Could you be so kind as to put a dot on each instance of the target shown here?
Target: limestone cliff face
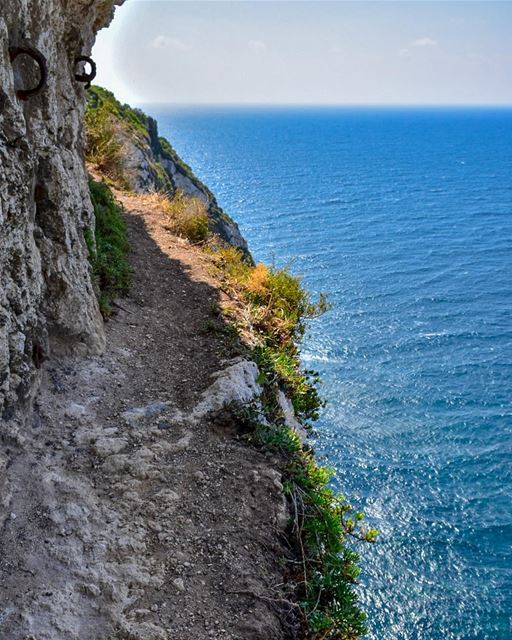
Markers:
(46, 297)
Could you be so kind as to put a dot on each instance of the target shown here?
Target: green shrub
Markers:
(108, 250)
(270, 308)
(229, 265)
(286, 303)
(325, 523)
(283, 369)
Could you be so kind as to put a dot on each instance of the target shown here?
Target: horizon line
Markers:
(336, 105)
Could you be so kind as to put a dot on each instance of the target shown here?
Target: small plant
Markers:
(258, 281)
(229, 265)
(285, 304)
(108, 248)
(284, 370)
(209, 326)
(265, 425)
(156, 199)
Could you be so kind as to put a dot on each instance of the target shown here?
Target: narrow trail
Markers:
(136, 512)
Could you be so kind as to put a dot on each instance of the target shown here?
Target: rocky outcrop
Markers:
(145, 162)
(46, 297)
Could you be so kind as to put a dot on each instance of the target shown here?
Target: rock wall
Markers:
(46, 297)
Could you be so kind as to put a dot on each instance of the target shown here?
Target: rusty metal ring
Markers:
(3, 100)
(40, 60)
(86, 77)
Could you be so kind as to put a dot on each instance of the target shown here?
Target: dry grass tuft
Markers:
(189, 217)
(155, 199)
(258, 281)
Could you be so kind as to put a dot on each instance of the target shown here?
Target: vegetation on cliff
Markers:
(109, 124)
(269, 309)
(108, 247)
(187, 216)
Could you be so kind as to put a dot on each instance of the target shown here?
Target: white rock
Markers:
(237, 383)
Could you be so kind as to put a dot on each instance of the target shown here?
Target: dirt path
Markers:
(135, 510)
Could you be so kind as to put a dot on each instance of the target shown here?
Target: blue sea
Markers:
(404, 218)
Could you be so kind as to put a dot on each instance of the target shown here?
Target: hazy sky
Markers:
(357, 52)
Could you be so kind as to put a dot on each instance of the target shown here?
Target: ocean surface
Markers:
(404, 217)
